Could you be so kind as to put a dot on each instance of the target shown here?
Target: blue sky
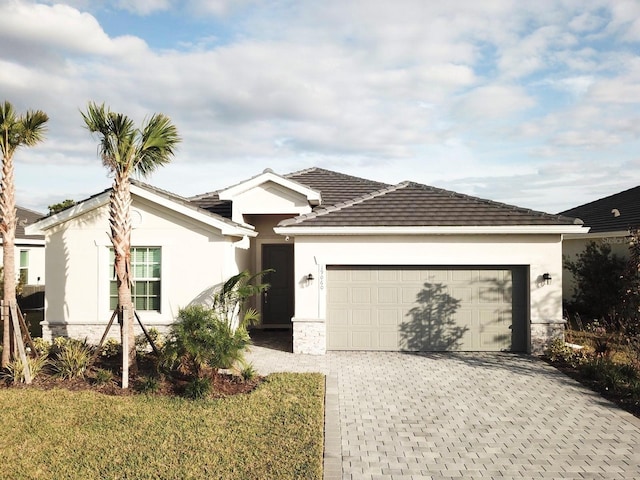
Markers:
(528, 103)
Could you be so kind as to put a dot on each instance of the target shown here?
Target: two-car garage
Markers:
(425, 308)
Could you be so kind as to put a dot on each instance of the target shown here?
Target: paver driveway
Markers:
(437, 416)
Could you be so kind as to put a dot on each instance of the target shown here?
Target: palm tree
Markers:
(126, 150)
(17, 131)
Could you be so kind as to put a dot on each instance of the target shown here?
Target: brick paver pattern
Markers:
(464, 416)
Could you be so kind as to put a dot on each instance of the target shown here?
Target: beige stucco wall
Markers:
(269, 198)
(541, 253)
(195, 258)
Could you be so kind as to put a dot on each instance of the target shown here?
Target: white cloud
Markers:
(482, 96)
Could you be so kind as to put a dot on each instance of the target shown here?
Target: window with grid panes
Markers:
(145, 272)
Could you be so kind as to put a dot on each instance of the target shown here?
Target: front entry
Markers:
(278, 300)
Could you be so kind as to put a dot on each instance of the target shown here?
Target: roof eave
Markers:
(293, 230)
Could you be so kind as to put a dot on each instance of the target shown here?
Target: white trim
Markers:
(313, 196)
(27, 242)
(436, 230)
(38, 228)
(225, 227)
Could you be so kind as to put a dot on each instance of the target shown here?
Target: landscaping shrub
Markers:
(200, 339)
(15, 369)
(560, 351)
(148, 385)
(198, 388)
(142, 343)
(111, 348)
(72, 358)
(103, 376)
(42, 346)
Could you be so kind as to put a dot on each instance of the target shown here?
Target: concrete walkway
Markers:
(462, 416)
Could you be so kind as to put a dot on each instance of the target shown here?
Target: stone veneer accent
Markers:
(309, 336)
(91, 331)
(542, 334)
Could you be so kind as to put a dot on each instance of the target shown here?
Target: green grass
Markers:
(276, 432)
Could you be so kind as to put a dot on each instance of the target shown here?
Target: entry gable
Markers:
(269, 193)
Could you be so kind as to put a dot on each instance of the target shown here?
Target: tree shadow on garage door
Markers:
(432, 325)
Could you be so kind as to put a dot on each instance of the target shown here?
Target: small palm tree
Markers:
(16, 131)
(126, 150)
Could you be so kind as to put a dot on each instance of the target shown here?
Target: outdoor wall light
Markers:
(546, 278)
(309, 278)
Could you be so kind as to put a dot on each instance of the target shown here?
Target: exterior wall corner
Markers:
(543, 333)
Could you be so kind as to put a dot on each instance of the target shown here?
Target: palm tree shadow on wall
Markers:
(432, 324)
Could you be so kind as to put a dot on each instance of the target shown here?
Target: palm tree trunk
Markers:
(8, 230)
(120, 221)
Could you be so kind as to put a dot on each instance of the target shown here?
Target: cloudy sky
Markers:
(529, 103)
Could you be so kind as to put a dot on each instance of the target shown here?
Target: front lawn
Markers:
(275, 432)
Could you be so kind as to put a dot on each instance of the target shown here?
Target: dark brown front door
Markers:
(277, 301)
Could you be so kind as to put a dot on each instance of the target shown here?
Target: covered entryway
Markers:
(278, 300)
(427, 308)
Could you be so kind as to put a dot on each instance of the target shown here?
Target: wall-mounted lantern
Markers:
(546, 278)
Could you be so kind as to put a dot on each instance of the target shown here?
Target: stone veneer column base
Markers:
(542, 334)
(309, 336)
(91, 331)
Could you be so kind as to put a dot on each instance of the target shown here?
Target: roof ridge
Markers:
(321, 211)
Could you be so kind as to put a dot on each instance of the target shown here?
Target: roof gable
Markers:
(268, 176)
(161, 197)
(615, 213)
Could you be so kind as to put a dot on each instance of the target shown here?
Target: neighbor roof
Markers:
(618, 212)
(411, 204)
(26, 217)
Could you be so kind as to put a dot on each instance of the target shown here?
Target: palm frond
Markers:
(158, 142)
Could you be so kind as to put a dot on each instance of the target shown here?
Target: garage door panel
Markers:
(361, 295)
(389, 318)
(387, 295)
(362, 317)
(430, 309)
(338, 295)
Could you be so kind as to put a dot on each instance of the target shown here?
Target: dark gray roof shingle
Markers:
(335, 187)
(411, 204)
(26, 217)
(618, 212)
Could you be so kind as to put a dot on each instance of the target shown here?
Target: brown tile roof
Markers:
(412, 204)
(618, 212)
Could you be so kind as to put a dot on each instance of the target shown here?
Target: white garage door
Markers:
(426, 308)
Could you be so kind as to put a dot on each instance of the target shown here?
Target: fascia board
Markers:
(39, 227)
(230, 193)
(443, 230)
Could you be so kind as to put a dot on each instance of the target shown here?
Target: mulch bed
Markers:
(224, 384)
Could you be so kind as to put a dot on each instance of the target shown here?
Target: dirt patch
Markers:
(622, 397)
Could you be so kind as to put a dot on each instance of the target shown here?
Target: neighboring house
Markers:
(29, 249)
(359, 265)
(610, 219)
